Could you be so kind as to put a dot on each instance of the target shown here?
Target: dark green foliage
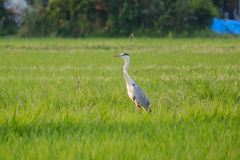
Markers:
(81, 18)
(7, 26)
(219, 3)
(61, 18)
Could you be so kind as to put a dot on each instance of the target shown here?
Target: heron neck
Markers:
(125, 67)
(126, 75)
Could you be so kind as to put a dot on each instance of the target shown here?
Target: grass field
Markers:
(66, 99)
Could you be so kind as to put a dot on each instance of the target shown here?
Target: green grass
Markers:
(66, 99)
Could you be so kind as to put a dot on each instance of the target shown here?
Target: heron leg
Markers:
(150, 110)
(138, 111)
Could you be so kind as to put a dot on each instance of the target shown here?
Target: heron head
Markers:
(124, 56)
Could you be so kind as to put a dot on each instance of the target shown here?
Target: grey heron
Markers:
(135, 93)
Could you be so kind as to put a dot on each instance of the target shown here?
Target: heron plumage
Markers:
(135, 92)
(140, 98)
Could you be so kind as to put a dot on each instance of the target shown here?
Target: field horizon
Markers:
(67, 99)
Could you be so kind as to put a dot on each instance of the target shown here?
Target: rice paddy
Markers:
(67, 99)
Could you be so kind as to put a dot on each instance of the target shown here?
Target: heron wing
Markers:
(140, 96)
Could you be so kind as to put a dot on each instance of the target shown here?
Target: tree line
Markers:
(111, 18)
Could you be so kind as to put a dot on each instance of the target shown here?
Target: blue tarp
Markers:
(225, 26)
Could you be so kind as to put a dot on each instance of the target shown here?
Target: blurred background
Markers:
(113, 18)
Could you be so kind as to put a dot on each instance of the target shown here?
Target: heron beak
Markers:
(118, 55)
